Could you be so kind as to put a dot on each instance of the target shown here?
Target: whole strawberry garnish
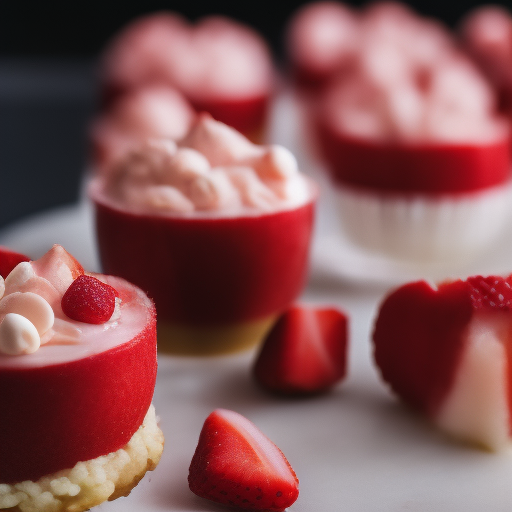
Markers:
(89, 300)
(305, 352)
(236, 465)
(9, 259)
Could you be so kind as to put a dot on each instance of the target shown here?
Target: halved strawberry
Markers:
(235, 464)
(446, 351)
(89, 300)
(9, 259)
(305, 352)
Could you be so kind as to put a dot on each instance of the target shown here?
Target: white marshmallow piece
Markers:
(19, 276)
(2, 287)
(18, 335)
(30, 305)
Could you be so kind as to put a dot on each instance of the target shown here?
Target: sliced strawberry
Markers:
(9, 259)
(89, 300)
(305, 352)
(446, 351)
(235, 464)
(59, 267)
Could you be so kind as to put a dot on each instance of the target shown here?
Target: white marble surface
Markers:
(355, 449)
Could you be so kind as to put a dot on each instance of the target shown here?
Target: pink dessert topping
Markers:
(212, 169)
(404, 80)
(216, 57)
(41, 302)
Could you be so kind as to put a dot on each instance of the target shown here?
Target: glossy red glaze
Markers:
(427, 168)
(305, 352)
(208, 270)
(9, 259)
(55, 416)
(419, 339)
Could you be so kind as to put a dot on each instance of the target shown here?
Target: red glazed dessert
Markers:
(487, 36)
(151, 112)
(446, 352)
(220, 66)
(215, 229)
(77, 374)
(410, 136)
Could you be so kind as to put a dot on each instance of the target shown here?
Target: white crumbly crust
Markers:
(421, 228)
(91, 482)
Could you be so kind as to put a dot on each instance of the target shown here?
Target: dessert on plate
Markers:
(132, 117)
(445, 351)
(77, 374)
(215, 229)
(411, 138)
(219, 65)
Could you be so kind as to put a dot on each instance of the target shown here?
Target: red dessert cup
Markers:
(218, 281)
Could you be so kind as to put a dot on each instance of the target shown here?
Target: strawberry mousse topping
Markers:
(487, 35)
(48, 302)
(154, 111)
(216, 57)
(212, 169)
(408, 82)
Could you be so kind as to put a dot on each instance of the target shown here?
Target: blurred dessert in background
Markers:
(155, 111)
(219, 65)
(216, 229)
(487, 36)
(408, 129)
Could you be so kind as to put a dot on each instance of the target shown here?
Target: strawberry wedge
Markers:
(235, 464)
(446, 351)
(305, 352)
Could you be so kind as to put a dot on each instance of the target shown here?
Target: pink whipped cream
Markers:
(217, 57)
(404, 80)
(35, 332)
(154, 111)
(213, 169)
(487, 35)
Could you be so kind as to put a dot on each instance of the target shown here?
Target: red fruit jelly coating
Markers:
(89, 300)
(9, 259)
(493, 292)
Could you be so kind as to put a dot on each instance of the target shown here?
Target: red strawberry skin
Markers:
(227, 469)
(89, 300)
(208, 271)
(419, 338)
(9, 259)
(55, 416)
(305, 352)
(428, 168)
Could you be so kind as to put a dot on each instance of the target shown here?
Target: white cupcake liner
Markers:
(425, 228)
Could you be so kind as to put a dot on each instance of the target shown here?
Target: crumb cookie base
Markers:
(91, 482)
(422, 228)
(190, 340)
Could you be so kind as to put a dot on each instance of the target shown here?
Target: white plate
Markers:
(355, 449)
